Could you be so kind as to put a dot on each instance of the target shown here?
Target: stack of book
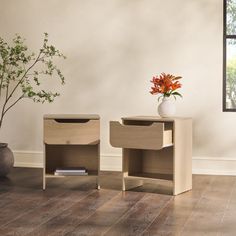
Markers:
(71, 171)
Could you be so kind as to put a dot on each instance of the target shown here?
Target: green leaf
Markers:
(176, 93)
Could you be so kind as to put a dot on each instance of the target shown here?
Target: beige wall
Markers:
(114, 47)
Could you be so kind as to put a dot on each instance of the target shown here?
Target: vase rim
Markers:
(3, 145)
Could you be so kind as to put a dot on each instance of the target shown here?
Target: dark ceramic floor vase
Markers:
(6, 159)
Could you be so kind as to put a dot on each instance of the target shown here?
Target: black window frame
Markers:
(225, 37)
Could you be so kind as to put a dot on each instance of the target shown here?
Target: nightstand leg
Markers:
(98, 183)
(44, 183)
(44, 166)
(123, 184)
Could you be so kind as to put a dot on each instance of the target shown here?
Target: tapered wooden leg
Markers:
(44, 166)
(44, 183)
(98, 183)
(123, 183)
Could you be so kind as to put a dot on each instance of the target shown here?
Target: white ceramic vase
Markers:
(167, 107)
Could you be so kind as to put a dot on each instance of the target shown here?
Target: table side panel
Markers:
(182, 156)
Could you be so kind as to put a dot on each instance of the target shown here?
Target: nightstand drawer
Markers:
(153, 137)
(71, 131)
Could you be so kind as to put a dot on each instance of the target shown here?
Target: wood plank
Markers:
(227, 225)
(20, 202)
(174, 216)
(107, 215)
(41, 212)
(140, 216)
(69, 219)
(207, 215)
(182, 155)
(209, 209)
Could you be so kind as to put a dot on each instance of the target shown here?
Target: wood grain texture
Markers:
(182, 155)
(102, 220)
(175, 215)
(69, 219)
(210, 209)
(71, 141)
(72, 206)
(147, 154)
(152, 137)
(140, 216)
(40, 212)
(87, 133)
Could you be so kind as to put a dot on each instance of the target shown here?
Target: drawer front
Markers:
(139, 137)
(71, 132)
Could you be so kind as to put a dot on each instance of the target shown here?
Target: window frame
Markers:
(225, 37)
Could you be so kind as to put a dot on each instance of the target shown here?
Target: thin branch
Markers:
(23, 77)
(5, 111)
(14, 103)
(7, 91)
(14, 89)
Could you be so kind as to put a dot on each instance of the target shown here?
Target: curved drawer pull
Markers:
(71, 120)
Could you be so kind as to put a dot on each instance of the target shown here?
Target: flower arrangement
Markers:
(166, 85)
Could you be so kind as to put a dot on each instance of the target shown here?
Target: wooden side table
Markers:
(155, 149)
(71, 141)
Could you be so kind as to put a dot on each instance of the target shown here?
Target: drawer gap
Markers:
(167, 125)
(72, 120)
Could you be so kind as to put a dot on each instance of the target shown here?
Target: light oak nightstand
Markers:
(155, 149)
(71, 141)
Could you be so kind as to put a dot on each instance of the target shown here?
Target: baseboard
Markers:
(28, 159)
(214, 165)
(112, 162)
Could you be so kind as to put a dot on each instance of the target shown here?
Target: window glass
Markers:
(231, 74)
(231, 17)
(229, 62)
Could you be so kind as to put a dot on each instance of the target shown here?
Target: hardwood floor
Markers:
(72, 206)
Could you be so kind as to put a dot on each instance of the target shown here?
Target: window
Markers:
(229, 63)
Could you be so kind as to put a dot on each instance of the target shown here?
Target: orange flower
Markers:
(165, 84)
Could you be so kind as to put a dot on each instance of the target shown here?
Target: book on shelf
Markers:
(71, 171)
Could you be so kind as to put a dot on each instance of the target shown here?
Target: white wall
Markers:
(114, 47)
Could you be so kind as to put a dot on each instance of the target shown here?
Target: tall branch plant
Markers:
(22, 73)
